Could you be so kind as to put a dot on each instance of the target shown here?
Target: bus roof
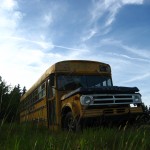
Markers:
(68, 66)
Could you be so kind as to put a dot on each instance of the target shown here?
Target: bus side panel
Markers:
(36, 113)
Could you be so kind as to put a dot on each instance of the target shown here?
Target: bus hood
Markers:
(102, 90)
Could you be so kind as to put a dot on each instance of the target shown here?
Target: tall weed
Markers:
(25, 137)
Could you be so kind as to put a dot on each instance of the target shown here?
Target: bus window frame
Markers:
(51, 86)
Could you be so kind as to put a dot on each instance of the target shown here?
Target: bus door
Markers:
(51, 103)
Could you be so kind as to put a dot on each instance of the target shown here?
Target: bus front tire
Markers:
(71, 123)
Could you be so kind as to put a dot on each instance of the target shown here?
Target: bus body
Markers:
(71, 93)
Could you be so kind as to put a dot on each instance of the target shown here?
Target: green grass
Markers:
(26, 137)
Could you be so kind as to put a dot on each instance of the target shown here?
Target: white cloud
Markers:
(113, 9)
(43, 44)
(110, 41)
(48, 19)
(100, 7)
(9, 19)
(29, 56)
(8, 4)
(89, 34)
(105, 11)
(139, 52)
(138, 2)
(130, 58)
(70, 48)
(138, 78)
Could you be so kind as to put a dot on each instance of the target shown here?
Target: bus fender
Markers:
(70, 107)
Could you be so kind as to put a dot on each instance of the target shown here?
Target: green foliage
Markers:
(25, 137)
(9, 102)
(24, 90)
(14, 98)
(145, 108)
(4, 98)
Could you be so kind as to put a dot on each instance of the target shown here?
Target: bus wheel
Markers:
(70, 122)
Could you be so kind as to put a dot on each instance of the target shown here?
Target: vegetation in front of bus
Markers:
(26, 137)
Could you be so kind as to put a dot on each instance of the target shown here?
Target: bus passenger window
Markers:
(41, 90)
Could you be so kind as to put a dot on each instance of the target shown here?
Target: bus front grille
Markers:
(112, 99)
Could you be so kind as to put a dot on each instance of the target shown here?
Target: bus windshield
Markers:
(72, 82)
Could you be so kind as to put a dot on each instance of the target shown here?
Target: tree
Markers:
(145, 108)
(14, 98)
(4, 98)
(9, 102)
(24, 90)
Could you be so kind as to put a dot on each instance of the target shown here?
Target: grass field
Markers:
(25, 137)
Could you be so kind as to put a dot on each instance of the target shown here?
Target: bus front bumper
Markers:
(111, 114)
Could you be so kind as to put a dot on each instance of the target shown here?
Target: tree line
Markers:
(9, 101)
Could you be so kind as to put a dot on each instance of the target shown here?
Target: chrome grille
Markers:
(112, 99)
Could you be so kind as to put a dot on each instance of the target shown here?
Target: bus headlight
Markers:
(86, 100)
(137, 99)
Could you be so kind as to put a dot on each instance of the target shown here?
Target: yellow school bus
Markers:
(74, 93)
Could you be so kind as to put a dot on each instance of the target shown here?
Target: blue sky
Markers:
(35, 34)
